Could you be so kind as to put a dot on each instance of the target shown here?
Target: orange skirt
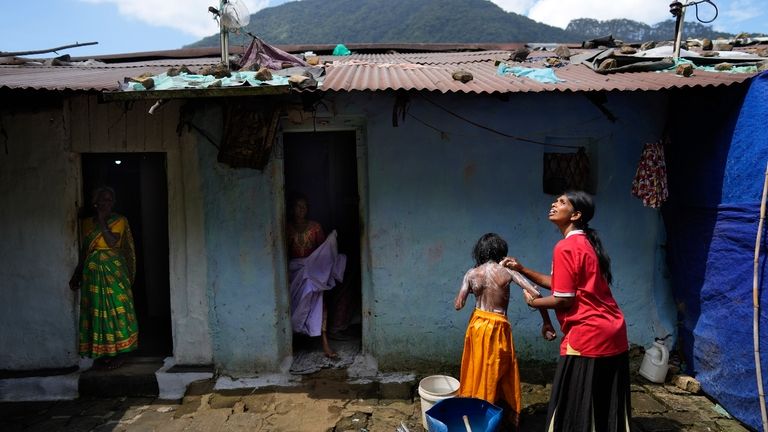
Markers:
(488, 365)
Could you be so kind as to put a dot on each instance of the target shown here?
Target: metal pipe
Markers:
(223, 36)
(756, 307)
(679, 31)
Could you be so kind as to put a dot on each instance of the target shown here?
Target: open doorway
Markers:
(141, 190)
(322, 167)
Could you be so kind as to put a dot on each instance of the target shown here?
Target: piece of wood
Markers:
(19, 53)
(466, 423)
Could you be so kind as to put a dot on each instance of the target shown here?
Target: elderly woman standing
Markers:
(106, 272)
(591, 389)
(315, 267)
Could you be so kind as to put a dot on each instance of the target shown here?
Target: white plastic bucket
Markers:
(433, 389)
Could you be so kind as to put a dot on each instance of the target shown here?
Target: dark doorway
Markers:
(322, 166)
(140, 184)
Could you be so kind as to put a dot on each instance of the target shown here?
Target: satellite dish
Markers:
(232, 15)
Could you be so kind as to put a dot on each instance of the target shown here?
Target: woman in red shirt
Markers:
(591, 389)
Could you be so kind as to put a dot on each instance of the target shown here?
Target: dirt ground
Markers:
(328, 401)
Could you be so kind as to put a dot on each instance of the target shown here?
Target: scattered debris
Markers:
(627, 50)
(687, 383)
(144, 79)
(177, 71)
(463, 76)
(685, 69)
(723, 47)
(647, 45)
(563, 52)
(519, 55)
(218, 71)
(605, 42)
(723, 66)
(609, 63)
(264, 74)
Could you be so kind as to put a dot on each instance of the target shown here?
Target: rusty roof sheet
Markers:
(376, 72)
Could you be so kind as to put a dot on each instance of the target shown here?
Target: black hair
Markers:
(293, 198)
(583, 203)
(490, 247)
(100, 190)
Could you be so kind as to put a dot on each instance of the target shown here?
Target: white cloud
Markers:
(189, 16)
(559, 13)
(517, 6)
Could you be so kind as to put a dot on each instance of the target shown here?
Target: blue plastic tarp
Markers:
(712, 227)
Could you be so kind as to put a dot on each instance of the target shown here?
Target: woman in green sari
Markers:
(106, 272)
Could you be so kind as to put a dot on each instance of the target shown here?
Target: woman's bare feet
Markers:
(108, 363)
(331, 354)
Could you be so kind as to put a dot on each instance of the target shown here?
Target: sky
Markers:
(124, 26)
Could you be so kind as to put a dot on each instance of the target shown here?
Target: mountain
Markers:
(393, 21)
(633, 31)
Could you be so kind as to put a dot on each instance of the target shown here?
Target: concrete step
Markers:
(325, 384)
(136, 377)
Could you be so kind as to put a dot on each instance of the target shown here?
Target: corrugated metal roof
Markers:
(102, 77)
(433, 72)
(375, 72)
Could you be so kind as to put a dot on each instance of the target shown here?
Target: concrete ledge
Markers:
(382, 386)
(49, 388)
(173, 385)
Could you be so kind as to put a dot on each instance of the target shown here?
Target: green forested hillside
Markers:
(394, 21)
(432, 21)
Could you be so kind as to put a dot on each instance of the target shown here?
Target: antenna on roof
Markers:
(232, 15)
(677, 10)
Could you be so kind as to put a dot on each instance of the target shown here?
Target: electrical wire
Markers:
(489, 129)
(696, 6)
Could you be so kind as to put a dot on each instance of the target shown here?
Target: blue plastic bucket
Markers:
(447, 415)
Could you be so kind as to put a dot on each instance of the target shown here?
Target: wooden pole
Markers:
(679, 32)
(20, 53)
(756, 307)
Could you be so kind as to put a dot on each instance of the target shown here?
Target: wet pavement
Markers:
(329, 403)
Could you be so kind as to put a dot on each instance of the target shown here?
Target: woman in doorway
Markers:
(315, 266)
(591, 389)
(106, 271)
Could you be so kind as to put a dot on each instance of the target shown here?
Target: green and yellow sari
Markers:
(107, 317)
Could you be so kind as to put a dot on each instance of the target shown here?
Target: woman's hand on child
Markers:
(548, 331)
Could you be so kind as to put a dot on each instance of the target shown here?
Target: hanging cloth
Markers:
(650, 183)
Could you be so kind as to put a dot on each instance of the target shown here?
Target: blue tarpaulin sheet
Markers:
(711, 248)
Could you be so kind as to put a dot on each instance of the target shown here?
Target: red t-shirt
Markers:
(594, 325)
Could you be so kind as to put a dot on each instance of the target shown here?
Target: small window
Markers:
(569, 169)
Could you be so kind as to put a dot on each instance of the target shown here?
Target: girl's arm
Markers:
(461, 297)
(540, 279)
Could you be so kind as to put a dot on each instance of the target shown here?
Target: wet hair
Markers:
(99, 190)
(490, 247)
(583, 203)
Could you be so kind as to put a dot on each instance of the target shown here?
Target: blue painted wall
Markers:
(435, 185)
(247, 319)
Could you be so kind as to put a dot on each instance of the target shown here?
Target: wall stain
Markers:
(435, 252)
(469, 171)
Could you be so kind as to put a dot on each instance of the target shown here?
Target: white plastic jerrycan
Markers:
(656, 362)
